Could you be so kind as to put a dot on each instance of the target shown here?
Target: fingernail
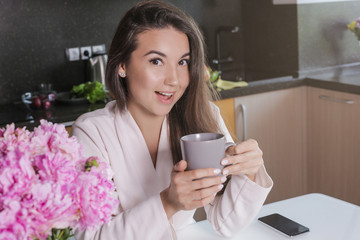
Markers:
(224, 162)
(217, 171)
(225, 171)
(220, 186)
(223, 179)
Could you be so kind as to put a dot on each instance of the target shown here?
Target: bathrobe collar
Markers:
(151, 180)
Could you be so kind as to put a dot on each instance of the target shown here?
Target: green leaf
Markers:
(214, 76)
(90, 163)
(92, 91)
(60, 234)
(79, 89)
(226, 85)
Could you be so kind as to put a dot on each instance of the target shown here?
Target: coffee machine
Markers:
(96, 67)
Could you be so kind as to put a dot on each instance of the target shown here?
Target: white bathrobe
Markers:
(117, 139)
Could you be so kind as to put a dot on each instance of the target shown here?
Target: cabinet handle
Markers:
(332, 99)
(243, 110)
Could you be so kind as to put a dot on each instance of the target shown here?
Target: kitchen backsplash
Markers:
(271, 40)
(34, 35)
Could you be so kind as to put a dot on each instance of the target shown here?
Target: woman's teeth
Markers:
(169, 95)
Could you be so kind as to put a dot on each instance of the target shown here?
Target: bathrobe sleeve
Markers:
(242, 199)
(146, 220)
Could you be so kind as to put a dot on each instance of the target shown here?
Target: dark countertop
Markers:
(345, 83)
(67, 113)
(58, 113)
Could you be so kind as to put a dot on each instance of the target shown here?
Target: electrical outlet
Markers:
(72, 54)
(98, 49)
(85, 52)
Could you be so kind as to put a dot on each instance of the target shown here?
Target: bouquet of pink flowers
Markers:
(47, 187)
(354, 26)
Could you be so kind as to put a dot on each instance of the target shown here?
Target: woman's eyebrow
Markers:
(155, 52)
(185, 55)
(163, 54)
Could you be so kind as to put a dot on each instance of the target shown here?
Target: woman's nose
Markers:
(171, 77)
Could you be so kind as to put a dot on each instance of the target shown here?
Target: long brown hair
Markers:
(192, 113)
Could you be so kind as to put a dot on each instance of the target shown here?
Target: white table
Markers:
(328, 218)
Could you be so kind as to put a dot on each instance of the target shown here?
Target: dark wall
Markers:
(297, 40)
(270, 34)
(34, 35)
(273, 40)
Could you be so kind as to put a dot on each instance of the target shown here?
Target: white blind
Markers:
(308, 1)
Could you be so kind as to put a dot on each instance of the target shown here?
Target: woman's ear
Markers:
(122, 70)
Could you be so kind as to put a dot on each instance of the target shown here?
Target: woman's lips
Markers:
(165, 97)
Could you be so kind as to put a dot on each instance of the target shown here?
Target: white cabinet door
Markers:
(277, 120)
(334, 144)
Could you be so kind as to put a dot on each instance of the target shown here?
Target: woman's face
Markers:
(158, 73)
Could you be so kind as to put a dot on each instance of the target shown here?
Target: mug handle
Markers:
(229, 144)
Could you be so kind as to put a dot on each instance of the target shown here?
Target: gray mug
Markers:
(203, 150)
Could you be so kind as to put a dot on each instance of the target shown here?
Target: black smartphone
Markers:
(284, 225)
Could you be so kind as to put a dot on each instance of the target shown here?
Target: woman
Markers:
(155, 71)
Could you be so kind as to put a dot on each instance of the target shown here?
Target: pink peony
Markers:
(44, 183)
(358, 22)
(94, 196)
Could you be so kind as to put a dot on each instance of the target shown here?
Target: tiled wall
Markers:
(34, 35)
(324, 40)
(297, 40)
(273, 41)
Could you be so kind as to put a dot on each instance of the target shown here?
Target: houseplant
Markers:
(354, 26)
(47, 187)
(214, 78)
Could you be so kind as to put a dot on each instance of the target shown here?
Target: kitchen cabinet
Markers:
(333, 144)
(277, 120)
(68, 129)
(226, 107)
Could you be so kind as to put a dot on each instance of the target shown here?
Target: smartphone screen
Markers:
(284, 225)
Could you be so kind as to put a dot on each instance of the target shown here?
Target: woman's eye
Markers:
(156, 61)
(184, 62)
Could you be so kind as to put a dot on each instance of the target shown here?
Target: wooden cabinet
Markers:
(226, 107)
(68, 129)
(310, 139)
(334, 144)
(277, 120)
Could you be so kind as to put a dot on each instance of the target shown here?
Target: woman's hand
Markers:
(244, 158)
(189, 189)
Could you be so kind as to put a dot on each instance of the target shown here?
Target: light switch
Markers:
(98, 48)
(85, 52)
(72, 54)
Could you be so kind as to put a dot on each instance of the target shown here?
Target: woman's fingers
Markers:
(188, 189)
(191, 181)
(196, 188)
(244, 158)
(202, 173)
(206, 192)
(204, 196)
(180, 166)
(243, 147)
(207, 182)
